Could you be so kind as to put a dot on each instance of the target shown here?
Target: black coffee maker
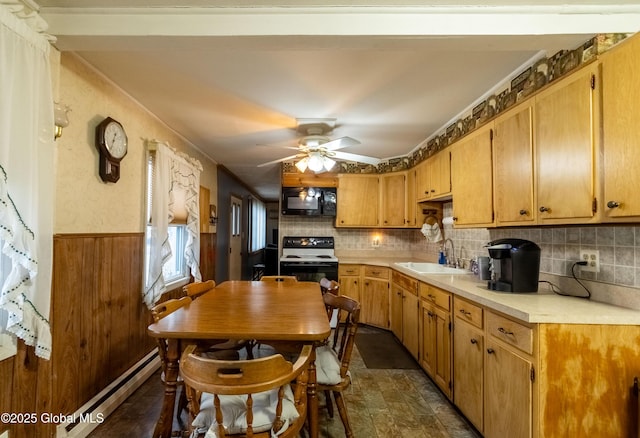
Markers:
(515, 265)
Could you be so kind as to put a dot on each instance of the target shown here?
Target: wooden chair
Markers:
(194, 290)
(280, 278)
(158, 312)
(333, 360)
(256, 392)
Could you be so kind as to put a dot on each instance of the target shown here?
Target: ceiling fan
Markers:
(317, 152)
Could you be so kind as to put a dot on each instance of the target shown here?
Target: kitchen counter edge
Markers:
(533, 308)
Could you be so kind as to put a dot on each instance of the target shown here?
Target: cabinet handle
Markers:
(430, 314)
(426, 192)
(490, 350)
(613, 204)
(523, 212)
(432, 297)
(455, 218)
(474, 341)
(544, 209)
(465, 313)
(505, 332)
(433, 190)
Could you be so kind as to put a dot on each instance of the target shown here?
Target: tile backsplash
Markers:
(619, 245)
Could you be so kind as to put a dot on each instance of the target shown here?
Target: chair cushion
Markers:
(327, 366)
(234, 412)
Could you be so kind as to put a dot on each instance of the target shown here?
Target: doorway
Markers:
(235, 239)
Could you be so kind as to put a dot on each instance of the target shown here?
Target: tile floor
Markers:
(382, 403)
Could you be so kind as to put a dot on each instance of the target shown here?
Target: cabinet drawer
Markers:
(468, 312)
(348, 270)
(438, 296)
(511, 332)
(376, 272)
(406, 283)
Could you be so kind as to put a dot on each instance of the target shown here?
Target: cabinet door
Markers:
(358, 201)
(621, 129)
(565, 145)
(410, 315)
(513, 159)
(393, 199)
(471, 179)
(442, 371)
(441, 174)
(468, 374)
(507, 394)
(423, 180)
(396, 310)
(427, 338)
(350, 286)
(375, 302)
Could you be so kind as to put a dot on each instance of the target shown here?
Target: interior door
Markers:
(235, 240)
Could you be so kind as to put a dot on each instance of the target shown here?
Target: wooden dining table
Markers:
(241, 310)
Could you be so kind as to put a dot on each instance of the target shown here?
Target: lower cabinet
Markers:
(468, 364)
(374, 303)
(405, 311)
(435, 335)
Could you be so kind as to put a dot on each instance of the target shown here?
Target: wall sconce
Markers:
(60, 118)
(213, 214)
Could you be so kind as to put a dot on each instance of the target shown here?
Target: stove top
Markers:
(308, 249)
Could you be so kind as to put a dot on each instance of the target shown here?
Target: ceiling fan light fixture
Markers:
(302, 164)
(315, 162)
(328, 163)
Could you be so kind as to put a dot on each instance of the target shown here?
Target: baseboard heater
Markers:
(95, 411)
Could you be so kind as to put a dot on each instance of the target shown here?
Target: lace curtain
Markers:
(175, 186)
(26, 180)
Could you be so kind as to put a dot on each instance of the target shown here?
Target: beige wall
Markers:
(85, 204)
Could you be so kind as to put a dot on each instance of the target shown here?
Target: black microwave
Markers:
(309, 201)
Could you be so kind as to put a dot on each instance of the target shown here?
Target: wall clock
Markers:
(111, 141)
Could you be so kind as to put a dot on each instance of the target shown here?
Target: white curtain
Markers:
(176, 185)
(26, 180)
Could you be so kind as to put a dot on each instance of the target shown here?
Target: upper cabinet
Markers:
(621, 131)
(513, 167)
(565, 145)
(472, 180)
(386, 200)
(358, 201)
(433, 177)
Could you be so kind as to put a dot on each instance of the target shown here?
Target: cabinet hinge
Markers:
(491, 134)
(594, 205)
(449, 325)
(593, 82)
(533, 374)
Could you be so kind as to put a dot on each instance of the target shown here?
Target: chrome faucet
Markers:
(451, 261)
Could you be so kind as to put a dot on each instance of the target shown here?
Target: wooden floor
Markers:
(382, 403)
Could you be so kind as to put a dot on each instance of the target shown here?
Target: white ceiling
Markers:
(232, 76)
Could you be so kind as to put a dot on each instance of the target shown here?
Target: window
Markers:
(258, 225)
(172, 232)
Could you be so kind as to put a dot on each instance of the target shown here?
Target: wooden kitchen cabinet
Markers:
(565, 132)
(393, 199)
(349, 279)
(374, 303)
(468, 363)
(358, 201)
(435, 335)
(433, 177)
(513, 167)
(621, 131)
(472, 179)
(405, 311)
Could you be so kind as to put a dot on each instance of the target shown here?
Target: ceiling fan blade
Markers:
(340, 143)
(355, 157)
(280, 160)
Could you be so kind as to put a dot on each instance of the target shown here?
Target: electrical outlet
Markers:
(592, 257)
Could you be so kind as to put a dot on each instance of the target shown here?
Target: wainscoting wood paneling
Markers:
(98, 322)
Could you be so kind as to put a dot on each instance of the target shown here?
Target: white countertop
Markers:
(540, 307)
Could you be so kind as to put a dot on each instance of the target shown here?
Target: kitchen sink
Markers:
(430, 268)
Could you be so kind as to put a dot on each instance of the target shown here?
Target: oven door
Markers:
(310, 271)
